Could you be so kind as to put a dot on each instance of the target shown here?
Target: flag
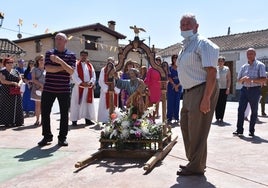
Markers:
(2, 15)
(20, 22)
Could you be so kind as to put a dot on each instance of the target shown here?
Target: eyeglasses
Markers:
(158, 59)
(9, 62)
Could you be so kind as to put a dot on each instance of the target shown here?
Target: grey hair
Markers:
(136, 71)
(191, 16)
(251, 49)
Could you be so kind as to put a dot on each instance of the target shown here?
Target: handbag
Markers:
(38, 92)
(14, 90)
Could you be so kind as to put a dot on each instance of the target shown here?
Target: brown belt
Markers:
(196, 86)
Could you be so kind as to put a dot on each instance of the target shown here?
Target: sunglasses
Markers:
(9, 62)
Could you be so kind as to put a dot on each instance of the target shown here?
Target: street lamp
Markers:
(19, 35)
(1, 18)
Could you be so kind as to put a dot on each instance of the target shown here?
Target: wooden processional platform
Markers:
(152, 149)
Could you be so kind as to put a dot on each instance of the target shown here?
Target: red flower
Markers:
(134, 116)
(113, 116)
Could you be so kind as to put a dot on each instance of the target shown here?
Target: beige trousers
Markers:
(195, 127)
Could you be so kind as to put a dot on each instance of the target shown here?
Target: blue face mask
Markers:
(187, 34)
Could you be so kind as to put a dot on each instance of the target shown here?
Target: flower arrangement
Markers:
(126, 125)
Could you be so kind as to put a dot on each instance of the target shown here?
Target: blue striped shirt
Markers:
(197, 53)
(59, 82)
(256, 70)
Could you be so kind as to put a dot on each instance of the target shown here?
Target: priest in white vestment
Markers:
(82, 98)
(103, 111)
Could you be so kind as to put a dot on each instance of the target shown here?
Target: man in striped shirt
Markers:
(59, 66)
(196, 65)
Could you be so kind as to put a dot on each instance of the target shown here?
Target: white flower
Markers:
(150, 110)
(145, 130)
(125, 124)
(107, 130)
(118, 113)
(124, 134)
(114, 133)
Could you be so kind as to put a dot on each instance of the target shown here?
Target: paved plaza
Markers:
(232, 162)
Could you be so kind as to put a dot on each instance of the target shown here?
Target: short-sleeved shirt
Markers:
(59, 82)
(253, 71)
(197, 53)
(223, 76)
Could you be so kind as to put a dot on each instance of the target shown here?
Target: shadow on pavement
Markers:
(221, 124)
(193, 181)
(116, 165)
(36, 153)
(254, 140)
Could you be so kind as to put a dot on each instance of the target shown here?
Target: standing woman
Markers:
(38, 79)
(224, 85)
(11, 102)
(27, 103)
(152, 80)
(174, 91)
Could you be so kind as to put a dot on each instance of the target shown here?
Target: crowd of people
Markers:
(197, 73)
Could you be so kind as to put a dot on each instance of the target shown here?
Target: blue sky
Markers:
(159, 18)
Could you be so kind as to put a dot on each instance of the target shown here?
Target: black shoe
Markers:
(182, 166)
(44, 141)
(236, 133)
(74, 123)
(89, 122)
(63, 143)
(184, 172)
(217, 122)
(251, 134)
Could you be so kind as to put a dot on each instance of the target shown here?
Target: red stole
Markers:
(107, 97)
(81, 76)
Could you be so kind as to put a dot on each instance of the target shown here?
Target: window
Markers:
(90, 42)
(38, 46)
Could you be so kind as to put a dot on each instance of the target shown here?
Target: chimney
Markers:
(111, 25)
(229, 31)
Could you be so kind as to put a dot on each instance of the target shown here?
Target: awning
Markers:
(8, 47)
